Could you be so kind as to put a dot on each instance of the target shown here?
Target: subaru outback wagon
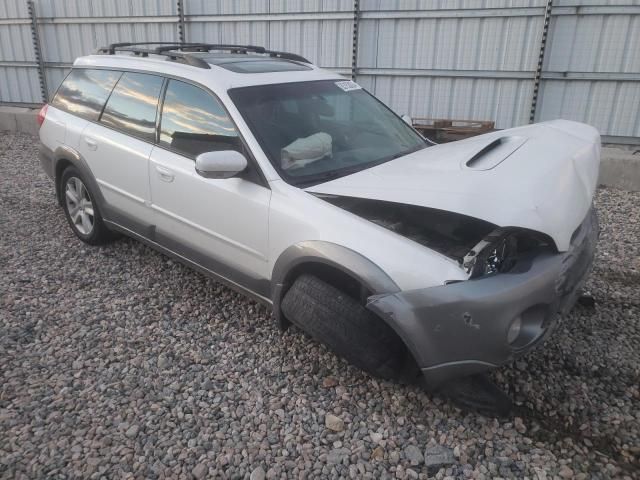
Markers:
(296, 186)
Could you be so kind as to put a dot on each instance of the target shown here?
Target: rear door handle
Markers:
(165, 174)
(91, 143)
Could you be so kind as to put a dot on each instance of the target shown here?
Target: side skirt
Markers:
(190, 263)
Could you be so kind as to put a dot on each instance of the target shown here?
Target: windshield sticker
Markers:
(348, 85)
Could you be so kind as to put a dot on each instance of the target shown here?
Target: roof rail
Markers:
(171, 55)
(179, 52)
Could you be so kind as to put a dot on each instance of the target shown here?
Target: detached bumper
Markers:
(471, 326)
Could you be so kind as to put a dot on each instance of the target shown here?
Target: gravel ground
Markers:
(117, 362)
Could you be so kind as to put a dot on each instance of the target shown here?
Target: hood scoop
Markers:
(494, 153)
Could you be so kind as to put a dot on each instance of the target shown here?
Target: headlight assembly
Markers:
(499, 251)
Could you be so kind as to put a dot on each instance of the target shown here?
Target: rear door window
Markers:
(194, 122)
(85, 91)
(132, 106)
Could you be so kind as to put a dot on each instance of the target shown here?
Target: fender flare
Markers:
(331, 254)
(68, 154)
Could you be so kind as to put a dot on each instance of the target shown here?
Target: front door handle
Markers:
(165, 174)
(91, 143)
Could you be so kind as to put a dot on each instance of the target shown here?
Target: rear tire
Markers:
(81, 209)
(346, 327)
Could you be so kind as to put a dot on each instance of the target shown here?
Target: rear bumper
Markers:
(464, 328)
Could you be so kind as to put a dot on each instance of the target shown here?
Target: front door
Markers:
(220, 224)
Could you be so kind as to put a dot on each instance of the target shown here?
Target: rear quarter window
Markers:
(85, 91)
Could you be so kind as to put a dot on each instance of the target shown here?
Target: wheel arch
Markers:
(309, 256)
(64, 157)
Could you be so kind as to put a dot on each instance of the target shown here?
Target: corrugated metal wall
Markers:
(592, 66)
(18, 68)
(320, 30)
(452, 59)
(464, 59)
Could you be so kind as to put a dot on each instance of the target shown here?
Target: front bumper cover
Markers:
(462, 328)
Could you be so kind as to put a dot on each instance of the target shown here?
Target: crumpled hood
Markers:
(542, 177)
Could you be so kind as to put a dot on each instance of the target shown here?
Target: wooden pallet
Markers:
(444, 130)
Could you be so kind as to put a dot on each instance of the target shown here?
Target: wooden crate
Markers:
(445, 130)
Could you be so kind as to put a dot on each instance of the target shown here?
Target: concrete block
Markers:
(620, 168)
(7, 119)
(26, 121)
(18, 119)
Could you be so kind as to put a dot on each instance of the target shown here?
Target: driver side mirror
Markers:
(222, 164)
(407, 119)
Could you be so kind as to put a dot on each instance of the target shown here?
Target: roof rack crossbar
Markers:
(178, 51)
(206, 47)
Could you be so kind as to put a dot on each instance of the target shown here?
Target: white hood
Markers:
(540, 177)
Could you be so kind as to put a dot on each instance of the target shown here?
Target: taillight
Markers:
(42, 114)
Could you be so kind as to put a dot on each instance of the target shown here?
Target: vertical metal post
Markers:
(354, 48)
(181, 30)
(538, 74)
(35, 37)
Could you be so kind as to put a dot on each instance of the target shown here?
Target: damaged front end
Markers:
(480, 247)
(468, 327)
(518, 284)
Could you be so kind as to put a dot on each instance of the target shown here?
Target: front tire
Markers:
(81, 209)
(346, 327)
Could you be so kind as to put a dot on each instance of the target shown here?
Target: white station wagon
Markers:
(298, 187)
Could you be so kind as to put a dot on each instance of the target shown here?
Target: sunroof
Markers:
(263, 66)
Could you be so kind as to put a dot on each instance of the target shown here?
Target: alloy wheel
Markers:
(79, 205)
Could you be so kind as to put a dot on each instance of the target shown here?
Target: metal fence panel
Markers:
(451, 64)
(612, 107)
(592, 67)
(13, 9)
(320, 30)
(18, 69)
(19, 84)
(105, 8)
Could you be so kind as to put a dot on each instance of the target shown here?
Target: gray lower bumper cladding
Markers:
(46, 158)
(468, 327)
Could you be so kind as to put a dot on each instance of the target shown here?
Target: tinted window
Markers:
(194, 122)
(132, 105)
(84, 92)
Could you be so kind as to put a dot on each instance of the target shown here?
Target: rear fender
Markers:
(65, 154)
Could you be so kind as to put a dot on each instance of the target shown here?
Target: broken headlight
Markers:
(499, 251)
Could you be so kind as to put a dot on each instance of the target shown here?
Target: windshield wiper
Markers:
(324, 177)
(406, 152)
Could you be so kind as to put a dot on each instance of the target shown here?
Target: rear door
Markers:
(117, 148)
(220, 224)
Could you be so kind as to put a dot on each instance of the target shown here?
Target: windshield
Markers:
(314, 132)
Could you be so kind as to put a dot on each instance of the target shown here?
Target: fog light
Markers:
(514, 329)
(528, 327)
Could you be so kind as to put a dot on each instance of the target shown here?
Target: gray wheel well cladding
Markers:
(64, 157)
(314, 255)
